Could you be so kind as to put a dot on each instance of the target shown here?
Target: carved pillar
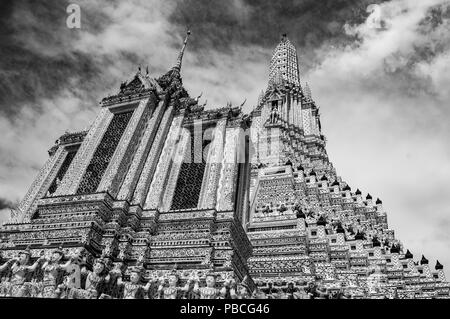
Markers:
(255, 131)
(246, 206)
(151, 162)
(265, 112)
(294, 108)
(290, 107)
(131, 179)
(298, 108)
(178, 158)
(228, 174)
(159, 179)
(116, 170)
(306, 117)
(84, 155)
(213, 165)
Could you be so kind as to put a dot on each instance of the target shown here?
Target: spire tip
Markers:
(180, 55)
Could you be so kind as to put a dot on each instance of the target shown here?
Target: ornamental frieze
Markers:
(187, 215)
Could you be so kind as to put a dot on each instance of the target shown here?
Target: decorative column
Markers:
(213, 165)
(306, 117)
(265, 112)
(291, 109)
(84, 155)
(228, 174)
(159, 179)
(246, 206)
(178, 158)
(298, 110)
(286, 108)
(131, 179)
(146, 177)
(294, 109)
(255, 130)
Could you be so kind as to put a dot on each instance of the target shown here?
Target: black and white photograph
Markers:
(224, 149)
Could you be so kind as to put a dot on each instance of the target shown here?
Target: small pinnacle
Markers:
(424, 261)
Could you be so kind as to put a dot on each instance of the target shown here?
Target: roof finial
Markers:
(198, 97)
(180, 55)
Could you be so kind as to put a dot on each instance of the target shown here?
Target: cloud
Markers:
(384, 102)
(114, 38)
(4, 215)
(4, 203)
(380, 77)
(5, 207)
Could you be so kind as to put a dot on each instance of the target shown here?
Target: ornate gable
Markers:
(138, 87)
(274, 94)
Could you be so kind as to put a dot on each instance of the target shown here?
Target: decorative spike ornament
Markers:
(180, 55)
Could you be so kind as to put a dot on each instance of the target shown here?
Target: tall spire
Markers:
(180, 55)
(284, 61)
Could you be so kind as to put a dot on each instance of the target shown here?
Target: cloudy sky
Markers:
(380, 74)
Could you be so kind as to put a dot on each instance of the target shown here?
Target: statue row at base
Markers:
(50, 277)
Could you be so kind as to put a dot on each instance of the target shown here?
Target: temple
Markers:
(163, 198)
